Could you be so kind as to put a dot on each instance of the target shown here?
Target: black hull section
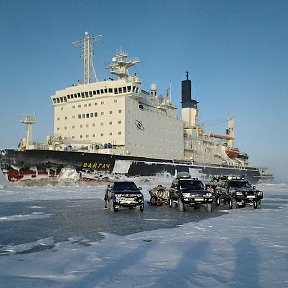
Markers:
(36, 164)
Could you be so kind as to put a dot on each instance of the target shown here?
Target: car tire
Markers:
(153, 200)
(142, 208)
(171, 203)
(115, 209)
(232, 203)
(209, 207)
(181, 206)
(218, 201)
(257, 204)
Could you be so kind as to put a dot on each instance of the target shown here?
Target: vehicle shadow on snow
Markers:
(189, 273)
(190, 270)
(109, 275)
(246, 272)
(186, 273)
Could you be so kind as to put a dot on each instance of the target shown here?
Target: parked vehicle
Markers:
(124, 194)
(237, 192)
(186, 191)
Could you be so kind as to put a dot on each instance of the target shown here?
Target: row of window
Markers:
(89, 104)
(118, 90)
(95, 114)
(87, 136)
(88, 115)
(87, 125)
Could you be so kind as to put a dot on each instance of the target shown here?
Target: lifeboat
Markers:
(232, 152)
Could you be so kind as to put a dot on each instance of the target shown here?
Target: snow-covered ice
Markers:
(241, 248)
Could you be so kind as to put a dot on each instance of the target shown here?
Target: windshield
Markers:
(191, 185)
(124, 186)
(239, 184)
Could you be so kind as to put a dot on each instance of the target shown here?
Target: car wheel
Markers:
(171, 203)
(209, 207)
(181, 206)
(218, 201)
(142, 208)
(153, 200)
(232, 203)
(115, 209)
(257, 204)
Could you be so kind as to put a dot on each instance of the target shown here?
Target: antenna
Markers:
(170, 92)
(86, 48)
(120, 64)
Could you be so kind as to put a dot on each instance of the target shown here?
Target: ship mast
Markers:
(29, 120)
(120, 64)
(86, 48)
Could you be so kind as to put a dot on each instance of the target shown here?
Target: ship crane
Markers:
(223, 137)
(229, 136)
(86, 47)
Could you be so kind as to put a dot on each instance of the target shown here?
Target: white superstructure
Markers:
(118, 117)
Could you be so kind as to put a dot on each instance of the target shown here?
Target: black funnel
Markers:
(187, 101)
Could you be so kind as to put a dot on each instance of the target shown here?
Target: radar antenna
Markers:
(120, 64)
(86, 48)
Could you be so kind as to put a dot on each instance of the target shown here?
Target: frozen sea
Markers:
(61, 236)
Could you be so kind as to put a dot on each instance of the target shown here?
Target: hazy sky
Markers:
(235, 52)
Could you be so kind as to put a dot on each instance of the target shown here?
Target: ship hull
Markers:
(35, 165)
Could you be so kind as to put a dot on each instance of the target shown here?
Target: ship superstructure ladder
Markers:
(86, 48)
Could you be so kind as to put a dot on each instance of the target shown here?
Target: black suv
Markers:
(186, 191)
(124, 194)
(237, 191)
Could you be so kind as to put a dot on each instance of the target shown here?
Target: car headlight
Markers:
(186, 194)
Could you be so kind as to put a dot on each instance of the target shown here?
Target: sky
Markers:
(235, 52)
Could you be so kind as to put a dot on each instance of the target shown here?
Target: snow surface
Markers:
(242, 248)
